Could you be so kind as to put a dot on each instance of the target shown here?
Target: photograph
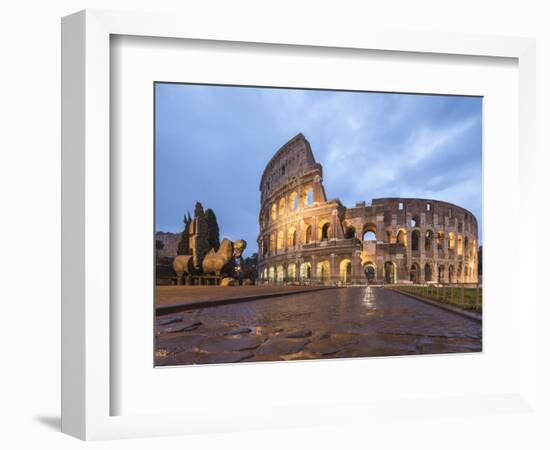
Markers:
(294, 223)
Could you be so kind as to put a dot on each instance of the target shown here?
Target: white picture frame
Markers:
(87, 385)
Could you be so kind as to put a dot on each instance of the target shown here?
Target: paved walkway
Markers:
(172, 298)
(349, 322)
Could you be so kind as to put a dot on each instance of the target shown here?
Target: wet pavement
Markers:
(336, 323)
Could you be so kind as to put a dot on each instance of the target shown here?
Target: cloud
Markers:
(213, 143)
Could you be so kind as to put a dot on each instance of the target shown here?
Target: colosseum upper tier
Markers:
(306, 238)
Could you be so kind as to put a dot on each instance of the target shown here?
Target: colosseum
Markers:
(306, 238)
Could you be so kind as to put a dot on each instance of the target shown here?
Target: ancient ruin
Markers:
(201, 258)
(307, 238)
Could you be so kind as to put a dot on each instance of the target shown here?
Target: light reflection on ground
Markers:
(347, 322)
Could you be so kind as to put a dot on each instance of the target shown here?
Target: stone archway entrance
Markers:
(389, 272)
(370, 273)
(415, 274)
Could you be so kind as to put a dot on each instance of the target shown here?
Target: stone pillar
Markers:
(314, 233)
(313, 267)
(380, 229)
(335, 226)
(333, 271)
(355, 267)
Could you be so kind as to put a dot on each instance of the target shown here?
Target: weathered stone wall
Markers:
(170, 241)
(306, 238)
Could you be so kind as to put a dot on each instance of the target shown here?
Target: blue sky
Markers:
(213, 142)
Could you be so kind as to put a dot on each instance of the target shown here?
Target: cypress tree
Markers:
(212, 230)
(201, 243)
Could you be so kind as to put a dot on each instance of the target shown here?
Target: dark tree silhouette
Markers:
(212, 230)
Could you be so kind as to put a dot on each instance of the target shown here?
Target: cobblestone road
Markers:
(350, 322)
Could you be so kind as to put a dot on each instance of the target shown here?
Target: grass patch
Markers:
(447, 294)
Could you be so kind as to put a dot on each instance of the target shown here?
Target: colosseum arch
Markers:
(414, 273)
(370, 271)
(291, 272)
(345, 270)
(292, 237)
(280, 273)
(428, 272)
(415, 221)
(274, 211)
(428, 240)
(305, 270)
(440, 240)
(452, 274)
(415, 241)
(459, 245)
(271, 274)
(390, 272)
(350, 232)
(280, 240)
(441, 273)
(324, 230)
(272, 244)
(308, 234)
(307, 195)
(402, 237)
(451, 241)
(369, 232)
(323, 270)
(282, 205)
(294, 202)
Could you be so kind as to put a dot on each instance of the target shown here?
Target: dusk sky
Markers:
(213, 142)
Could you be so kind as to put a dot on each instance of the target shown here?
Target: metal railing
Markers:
(464, 295)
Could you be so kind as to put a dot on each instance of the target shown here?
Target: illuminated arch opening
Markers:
(370, 272)
(272, 244)
(282, 204)
(291, 272)
(451, 241)
(345, 271)
(324, 234)
(292, 237)
(305, 271)
(280, 240)
(402, 237)
(308, 234)
(280, 274)
(323, 270)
